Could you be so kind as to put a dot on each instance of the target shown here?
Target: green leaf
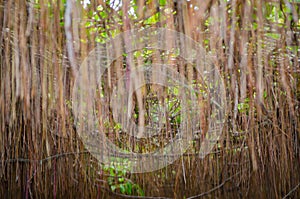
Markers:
(113, 187)
(162, 2)
(112, 172)
(139, 190)
(265, 94)
(122, 188)
(128, 188)
(121, 179)
(110, 180)
(103, 15)
(275, 36)
(153, 19)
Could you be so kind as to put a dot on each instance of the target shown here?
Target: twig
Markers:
(45, 159)
(213, 189)
(294, 189)
(210, 191)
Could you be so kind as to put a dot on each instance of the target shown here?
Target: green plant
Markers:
(118, 181)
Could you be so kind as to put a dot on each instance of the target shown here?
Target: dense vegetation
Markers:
(254, 45)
